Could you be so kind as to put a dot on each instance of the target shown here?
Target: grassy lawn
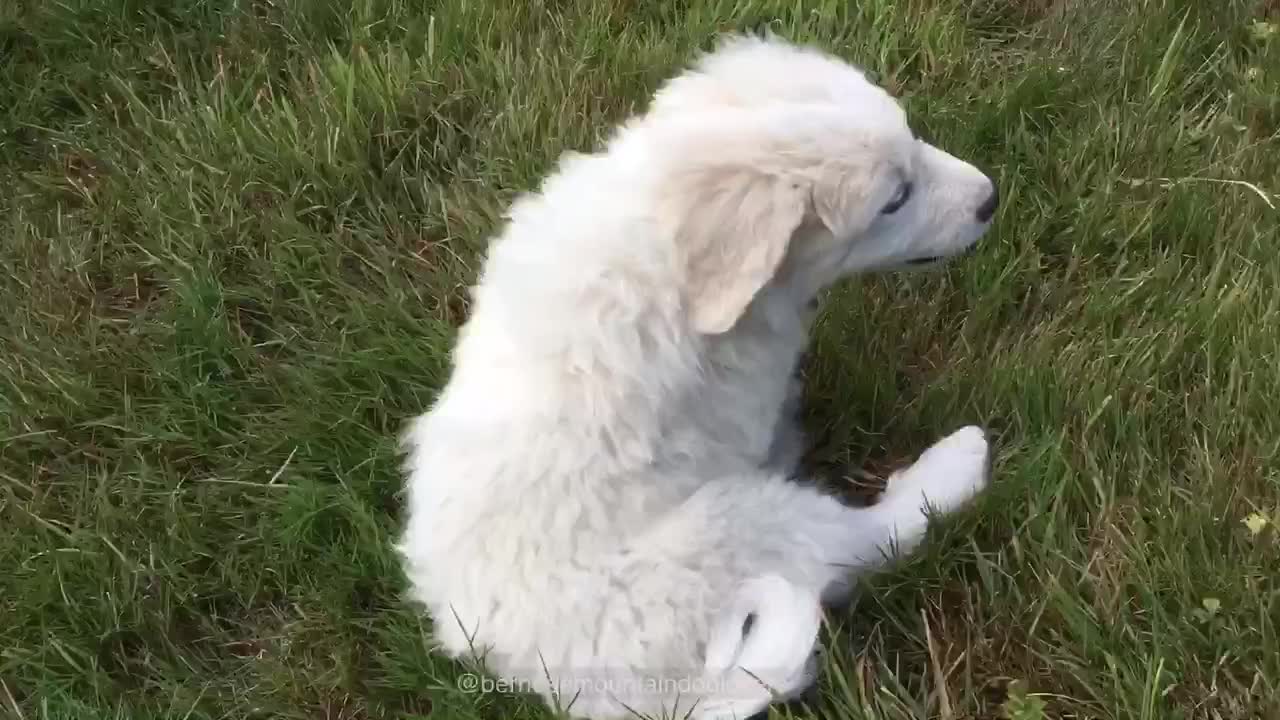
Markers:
(235, 241)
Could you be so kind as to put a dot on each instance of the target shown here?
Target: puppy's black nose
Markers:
(987, 209)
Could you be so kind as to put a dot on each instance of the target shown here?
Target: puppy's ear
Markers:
(733, 225)
(840, 199)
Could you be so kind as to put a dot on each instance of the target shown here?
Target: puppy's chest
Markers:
(733, 415)
(744, 393)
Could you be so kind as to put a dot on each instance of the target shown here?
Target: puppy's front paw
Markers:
(947, 475)
(962, 447)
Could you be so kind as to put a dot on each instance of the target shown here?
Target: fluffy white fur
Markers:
(597, 501)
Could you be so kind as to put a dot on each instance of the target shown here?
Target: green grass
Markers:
(235, 237)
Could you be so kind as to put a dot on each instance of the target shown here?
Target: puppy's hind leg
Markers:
(762, 649)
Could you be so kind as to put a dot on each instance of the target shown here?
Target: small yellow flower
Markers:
(1256, 522)
(1211, 605)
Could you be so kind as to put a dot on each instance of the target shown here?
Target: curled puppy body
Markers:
(597, 501)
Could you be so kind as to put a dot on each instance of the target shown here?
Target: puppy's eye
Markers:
(900, 199)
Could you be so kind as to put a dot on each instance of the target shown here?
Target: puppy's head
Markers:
(780, 164)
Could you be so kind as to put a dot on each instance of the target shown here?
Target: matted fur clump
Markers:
(598, 501)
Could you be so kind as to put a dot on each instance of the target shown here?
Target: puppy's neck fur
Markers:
(630, 372)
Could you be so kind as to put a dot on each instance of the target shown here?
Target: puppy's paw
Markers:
(965, 446)
(752, 702)
(947, 475)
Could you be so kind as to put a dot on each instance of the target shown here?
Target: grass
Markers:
(235, 237)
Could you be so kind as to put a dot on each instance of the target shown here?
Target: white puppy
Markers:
(597, 501)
